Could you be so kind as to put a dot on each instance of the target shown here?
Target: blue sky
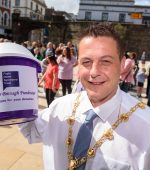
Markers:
(73, 5)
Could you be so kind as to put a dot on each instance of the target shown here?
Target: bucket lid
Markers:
(8, 49)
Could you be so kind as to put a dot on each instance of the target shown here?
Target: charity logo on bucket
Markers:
(18, 88)
(10, 79)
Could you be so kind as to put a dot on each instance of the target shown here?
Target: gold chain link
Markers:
(107, 135)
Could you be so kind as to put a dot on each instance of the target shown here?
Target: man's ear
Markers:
(123, 62)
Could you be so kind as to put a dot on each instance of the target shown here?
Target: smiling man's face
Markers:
(99, 68)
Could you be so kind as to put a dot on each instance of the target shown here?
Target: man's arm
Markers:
(34, 130)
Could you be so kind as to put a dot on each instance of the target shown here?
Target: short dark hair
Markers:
(52, 59)
(105, 29)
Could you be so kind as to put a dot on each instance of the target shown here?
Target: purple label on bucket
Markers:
(10, 79)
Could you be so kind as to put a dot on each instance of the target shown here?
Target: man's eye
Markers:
(106, 62)
(86, 63)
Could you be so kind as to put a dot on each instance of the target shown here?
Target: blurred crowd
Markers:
(57, 62)
(134, 74)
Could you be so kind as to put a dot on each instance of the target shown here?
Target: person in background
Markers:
(148, 79)
(140, 81)
(60, 46)
(148, 84)
(24, 44)
(42, 48)
(72, 48)
(50, 79)
(34, 45)
(29, 45)
(101, 128)
(58, 52)
(135, 67)
(143, 57)
(50, 49)
(127, 72)
(77, 87)
(66, 62)
(37, 54)
(45, 62)
(148, 101)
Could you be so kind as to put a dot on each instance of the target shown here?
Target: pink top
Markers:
(66, 67)
(127, 71)
(49, 76)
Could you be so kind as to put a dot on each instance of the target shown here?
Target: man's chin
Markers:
(93, 94)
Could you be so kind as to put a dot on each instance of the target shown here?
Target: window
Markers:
(146, 21)
(31, 5)
(146, 11)
(1, 18)
(17, 2)
(87, 15)
(104, 16)
(6, 20)
(37, 7)
(1, 3)
(122, 17)
(5, 3)
(10, 4)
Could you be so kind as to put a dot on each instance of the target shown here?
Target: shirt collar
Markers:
(85, 103)
(104, 110)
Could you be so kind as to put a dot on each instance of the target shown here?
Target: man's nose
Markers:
(95, 70)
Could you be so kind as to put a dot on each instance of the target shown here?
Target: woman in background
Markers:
(127, 72)
(50, 79)
(66, 62)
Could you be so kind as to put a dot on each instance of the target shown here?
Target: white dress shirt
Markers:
(129, 150)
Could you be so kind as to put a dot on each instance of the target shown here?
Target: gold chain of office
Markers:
(107, 135)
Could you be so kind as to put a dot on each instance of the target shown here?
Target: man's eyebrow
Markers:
(101, 57)
(85, 58)
(107, 56)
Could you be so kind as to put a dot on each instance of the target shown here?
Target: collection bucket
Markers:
(18, 84)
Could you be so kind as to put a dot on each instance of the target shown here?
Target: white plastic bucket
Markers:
(18, 84)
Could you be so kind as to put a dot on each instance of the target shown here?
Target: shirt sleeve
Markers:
(60, 59)
(34, 130)
(146, 162)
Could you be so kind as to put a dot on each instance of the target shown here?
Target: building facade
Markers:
(31, 12)
(122, 11)
(5, 18)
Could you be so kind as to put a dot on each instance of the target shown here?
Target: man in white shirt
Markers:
(121, 129)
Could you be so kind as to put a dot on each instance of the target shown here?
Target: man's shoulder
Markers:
(141, 109)
(129, 101)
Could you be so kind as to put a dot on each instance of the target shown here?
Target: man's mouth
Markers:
(96, 83)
